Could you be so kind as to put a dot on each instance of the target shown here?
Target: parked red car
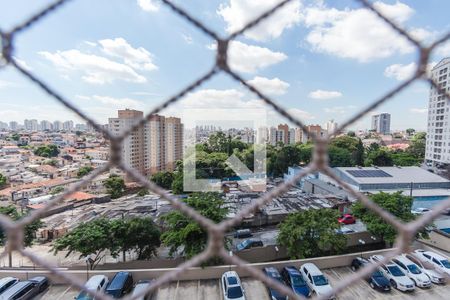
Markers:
(347, 219)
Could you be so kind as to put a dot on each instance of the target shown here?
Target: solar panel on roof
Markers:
(368, 173)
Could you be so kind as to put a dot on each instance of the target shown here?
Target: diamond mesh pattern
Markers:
(406, 232)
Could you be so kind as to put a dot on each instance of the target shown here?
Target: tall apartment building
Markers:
(46, 125)
(331, 126)
(381, 123)
(31, 125)
(13, 126)
(438, 132)
(285, 134)
(68, 125)
(154, 147)
(57, 126)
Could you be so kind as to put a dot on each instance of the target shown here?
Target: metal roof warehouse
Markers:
(367, 179)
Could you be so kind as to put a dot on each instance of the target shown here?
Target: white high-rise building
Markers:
(13, 126)
(57, 126)
(46, 125)
(331, 126)
(31, 125)
(438, 133)
(381, 123)
(68, 125)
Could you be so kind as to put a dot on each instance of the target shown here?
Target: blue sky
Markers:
(320, 59)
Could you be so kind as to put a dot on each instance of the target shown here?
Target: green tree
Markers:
(183, 233)
(354, 147)
(410, 131)
(404, 158)
(15, 136)
(381, 158)
(3, 181)
(92, 239)
(339, 157)
(57, 190)
(29, 231)
(417, 146)
(136, 234)
(83, 171)
(142, 192)
(115, 186)
(311, 233)
(47, 151)
(351, 133)
(397, 204)
(164, 179)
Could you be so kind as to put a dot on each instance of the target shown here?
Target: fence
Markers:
(406, 232)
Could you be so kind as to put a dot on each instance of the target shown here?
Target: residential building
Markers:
(154, 147)
(331, 126)
(13, 126)
(46, 125)
(68, 125)
(57, 126)
(31, 125)
(285, 129)
(437, 148)
(381, 123)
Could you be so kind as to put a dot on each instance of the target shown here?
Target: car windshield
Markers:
(243, 245)
(320, 280)
(395, 271)
(234, 292)
(445, 263)
(414, 269)
(84, 296)
(297, 280)
(377, 273)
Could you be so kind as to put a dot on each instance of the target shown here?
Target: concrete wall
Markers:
(438, 239)
(195, 273)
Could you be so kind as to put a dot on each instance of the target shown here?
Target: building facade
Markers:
(381, 123)
(154, 147)
(437, 148)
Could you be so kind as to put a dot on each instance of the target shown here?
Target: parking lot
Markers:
(255, 290)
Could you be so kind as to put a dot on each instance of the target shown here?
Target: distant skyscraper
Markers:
(154, 147)
(31, 125)
(381, 123)
(13, 126)
(285, 134)
(68, 125)
(331, 126)
(3, 125)
(57, 126)
(46, 125)
(437, 148)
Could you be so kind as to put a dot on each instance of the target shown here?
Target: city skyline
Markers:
(292, 59)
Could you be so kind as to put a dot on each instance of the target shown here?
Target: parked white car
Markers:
(231, 286)
(394, 274)
(315, 279)
(439, 262)
(95, 283)
(420, 210)
(427, 268)
(412, 271)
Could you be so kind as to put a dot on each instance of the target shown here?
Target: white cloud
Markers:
(301, 114)
(187, 38)
(237, 13)
(419, 110)
(137, 58)
(96, 69)
(5, 84)
(114, 102)
(268, 86)
(324, 95)
(358, 33)
(443, 49)
(250, 59)
(23, 64)
(148, 5)
(400, 72)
